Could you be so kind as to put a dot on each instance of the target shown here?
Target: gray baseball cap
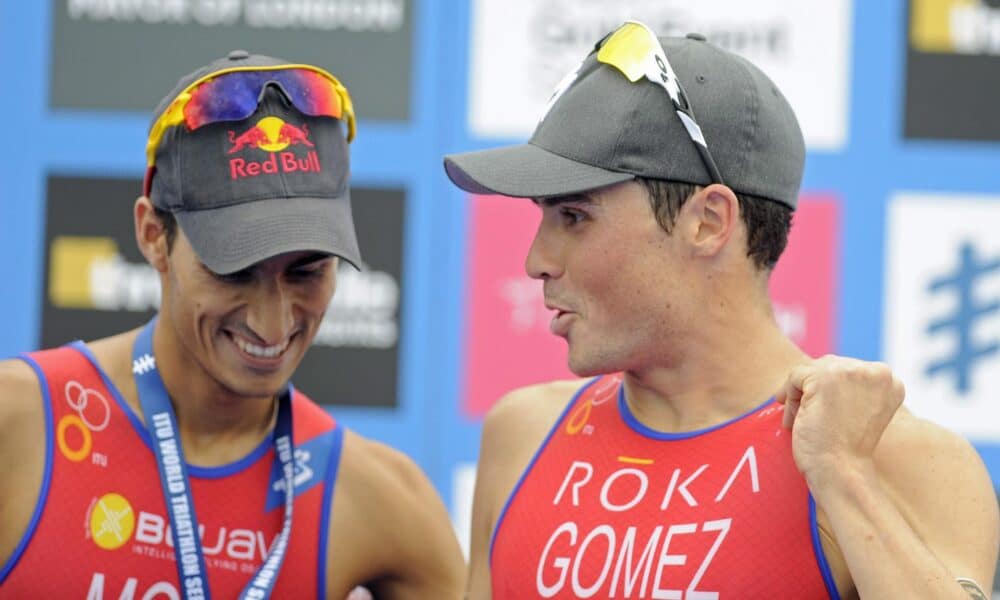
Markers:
(603, 129)
(243, 191)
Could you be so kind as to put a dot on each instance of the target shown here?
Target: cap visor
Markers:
(235, 237)
(526, 171)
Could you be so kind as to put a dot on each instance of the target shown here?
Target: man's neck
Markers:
(721, 371)
(216, 425)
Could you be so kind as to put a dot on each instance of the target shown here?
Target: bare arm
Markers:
(512, 432)
(22, 451)
(402, 545)
(918, 519)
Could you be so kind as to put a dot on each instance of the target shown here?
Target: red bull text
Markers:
(272, 135)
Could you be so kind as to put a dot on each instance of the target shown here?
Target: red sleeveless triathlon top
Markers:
(100, 530)
(609, 508)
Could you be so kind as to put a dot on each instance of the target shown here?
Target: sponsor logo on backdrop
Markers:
(508, 339)
(98, 283)
(521, 49)
(953, 57)
(88, 69)
(89, 273)
(507, 325)
(350, 15)
(805, 281)
(955, 26)
(942, 308)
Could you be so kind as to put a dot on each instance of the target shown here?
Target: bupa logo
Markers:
(111, 521)
(272, 135)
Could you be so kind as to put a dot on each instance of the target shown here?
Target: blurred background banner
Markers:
(894, 254)
(520, 50)
(115, 55)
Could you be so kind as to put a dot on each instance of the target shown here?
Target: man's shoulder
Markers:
(389, 513)
(20, 392)
(542, 402)
(931, 470)
(912, 440)
(518, 424)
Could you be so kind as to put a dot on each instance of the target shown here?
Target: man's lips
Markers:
(559, 325)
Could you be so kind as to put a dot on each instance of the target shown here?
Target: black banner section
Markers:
(128, 55)
(952, 61)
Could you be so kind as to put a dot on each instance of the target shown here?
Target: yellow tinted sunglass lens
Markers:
(629, 50)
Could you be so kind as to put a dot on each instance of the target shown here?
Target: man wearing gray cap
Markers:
(708, 457)
(176, 460)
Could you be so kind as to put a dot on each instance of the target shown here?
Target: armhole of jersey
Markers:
(824, 567)
(116, 394)
(531, 464)
(43, 491)
(336, 444)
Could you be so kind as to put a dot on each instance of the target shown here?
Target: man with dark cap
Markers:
(708, 457)
(176, 460)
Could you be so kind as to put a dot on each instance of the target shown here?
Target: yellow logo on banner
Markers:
(70, 261)
(112, 521)
(953, 27)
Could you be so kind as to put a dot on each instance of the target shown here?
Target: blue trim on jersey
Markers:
(193, 470)
(824, 567)
(643, 430)
(330, 481)
(43, 492)
(538, 452)
(85, 350)
(314, 467)
(234, 467)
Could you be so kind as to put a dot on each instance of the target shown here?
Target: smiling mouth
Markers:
(260, 352)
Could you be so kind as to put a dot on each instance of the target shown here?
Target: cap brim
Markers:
(526, 171)
(232, 238)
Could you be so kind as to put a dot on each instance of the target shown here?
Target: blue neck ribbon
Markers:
(161, 422)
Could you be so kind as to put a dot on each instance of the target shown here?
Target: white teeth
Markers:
(260, 351)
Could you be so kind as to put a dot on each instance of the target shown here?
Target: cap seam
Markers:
(616, 148)
(753, 104)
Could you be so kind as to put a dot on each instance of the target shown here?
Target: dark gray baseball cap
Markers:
(245, 191)
(603, 130)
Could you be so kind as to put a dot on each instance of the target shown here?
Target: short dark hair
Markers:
(169, 226)
(767, 221)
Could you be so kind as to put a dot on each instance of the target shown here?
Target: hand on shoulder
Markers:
(837, 409)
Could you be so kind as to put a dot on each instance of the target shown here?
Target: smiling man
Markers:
(176, 460)
(707, 457)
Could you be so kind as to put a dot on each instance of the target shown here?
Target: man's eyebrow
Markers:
(569, 198)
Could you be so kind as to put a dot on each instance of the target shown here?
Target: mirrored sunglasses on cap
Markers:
(233, 95)
(635, 50)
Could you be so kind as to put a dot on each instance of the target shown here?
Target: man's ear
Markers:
(715, 213)
(150, 234)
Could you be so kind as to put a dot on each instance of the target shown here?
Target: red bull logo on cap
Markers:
(272, 135)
